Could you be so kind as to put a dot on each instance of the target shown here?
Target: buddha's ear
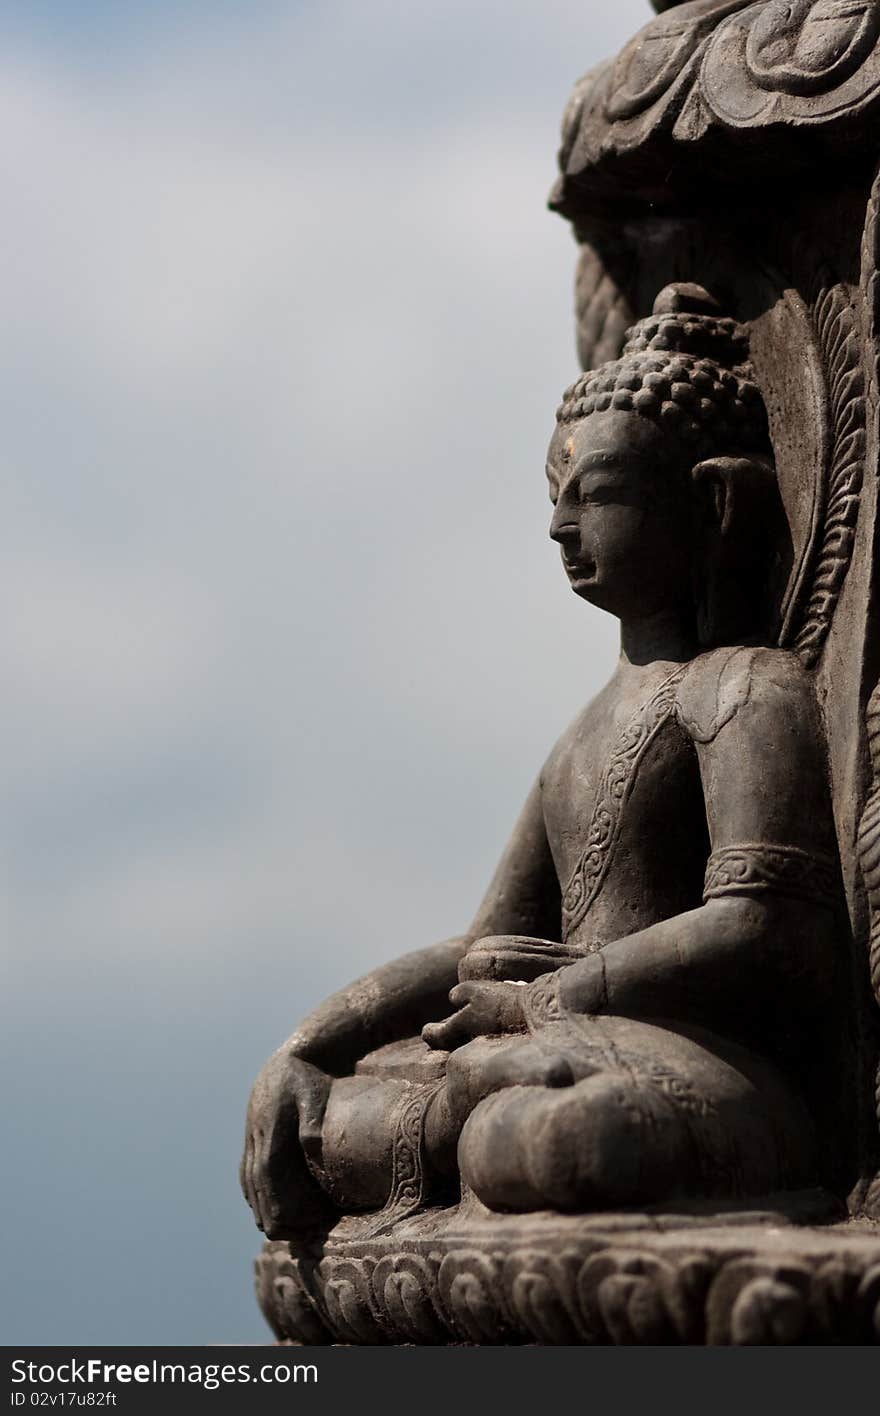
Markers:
(738, 522)
(727, 487)
(716, 486)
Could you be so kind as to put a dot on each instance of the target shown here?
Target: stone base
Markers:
(466, 1276)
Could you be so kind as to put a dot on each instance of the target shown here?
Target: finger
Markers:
(250, 1169)
(434, 1034)
(243, 1166)
(312, 1107)
(244, 1178)
(261, 1180)
(505, 965)
(449, 1034)
(479, 964)
(522, 967)
(249, 1175)
(271, 1179)
(461, 995)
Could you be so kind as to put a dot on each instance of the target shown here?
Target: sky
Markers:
(286, 321)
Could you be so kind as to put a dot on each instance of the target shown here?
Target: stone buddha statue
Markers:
(641, 1012)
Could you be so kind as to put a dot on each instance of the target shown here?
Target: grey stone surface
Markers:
(635, 1101)
(734, 1280)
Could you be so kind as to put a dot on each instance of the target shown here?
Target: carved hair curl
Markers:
(686, 370)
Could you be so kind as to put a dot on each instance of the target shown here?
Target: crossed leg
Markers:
(608, 1113)
(589, 1114)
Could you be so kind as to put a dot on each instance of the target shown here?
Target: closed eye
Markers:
(598, 496)
(600, 491)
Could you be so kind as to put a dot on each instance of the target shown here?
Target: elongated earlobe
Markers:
(737, 519)
(721, 482)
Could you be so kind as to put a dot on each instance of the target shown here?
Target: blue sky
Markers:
(286, 322)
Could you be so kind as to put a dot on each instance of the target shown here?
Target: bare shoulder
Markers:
(767, 682)
(593, 720)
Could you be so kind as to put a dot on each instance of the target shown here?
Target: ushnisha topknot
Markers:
(687, 368)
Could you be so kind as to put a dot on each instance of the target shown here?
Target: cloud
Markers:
(296, 438)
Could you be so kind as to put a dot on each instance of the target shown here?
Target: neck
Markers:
(660, 636)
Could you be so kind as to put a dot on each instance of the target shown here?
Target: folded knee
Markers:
(596, 1145)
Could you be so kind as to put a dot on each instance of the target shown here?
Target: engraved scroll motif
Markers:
(407, 1193)
(541, 1004)
(614, 790)
(786, 870)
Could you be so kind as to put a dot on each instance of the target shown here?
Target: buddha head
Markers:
(662, 477)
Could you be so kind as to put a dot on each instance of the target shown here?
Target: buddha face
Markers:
(621, 514)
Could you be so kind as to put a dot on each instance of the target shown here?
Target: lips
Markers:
(579, 572)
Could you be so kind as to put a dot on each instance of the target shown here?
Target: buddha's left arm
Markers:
(765, 934)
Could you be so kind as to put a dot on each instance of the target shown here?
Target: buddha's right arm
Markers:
(397, 999)
(392, 1002)
(281, 1169)
(283, 1145)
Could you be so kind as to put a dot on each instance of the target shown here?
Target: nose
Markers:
(562, 528)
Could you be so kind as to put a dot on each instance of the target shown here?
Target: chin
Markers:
(590, 595)
(591, 589)
(586, 588)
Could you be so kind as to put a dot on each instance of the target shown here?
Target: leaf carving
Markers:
(838, 333)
